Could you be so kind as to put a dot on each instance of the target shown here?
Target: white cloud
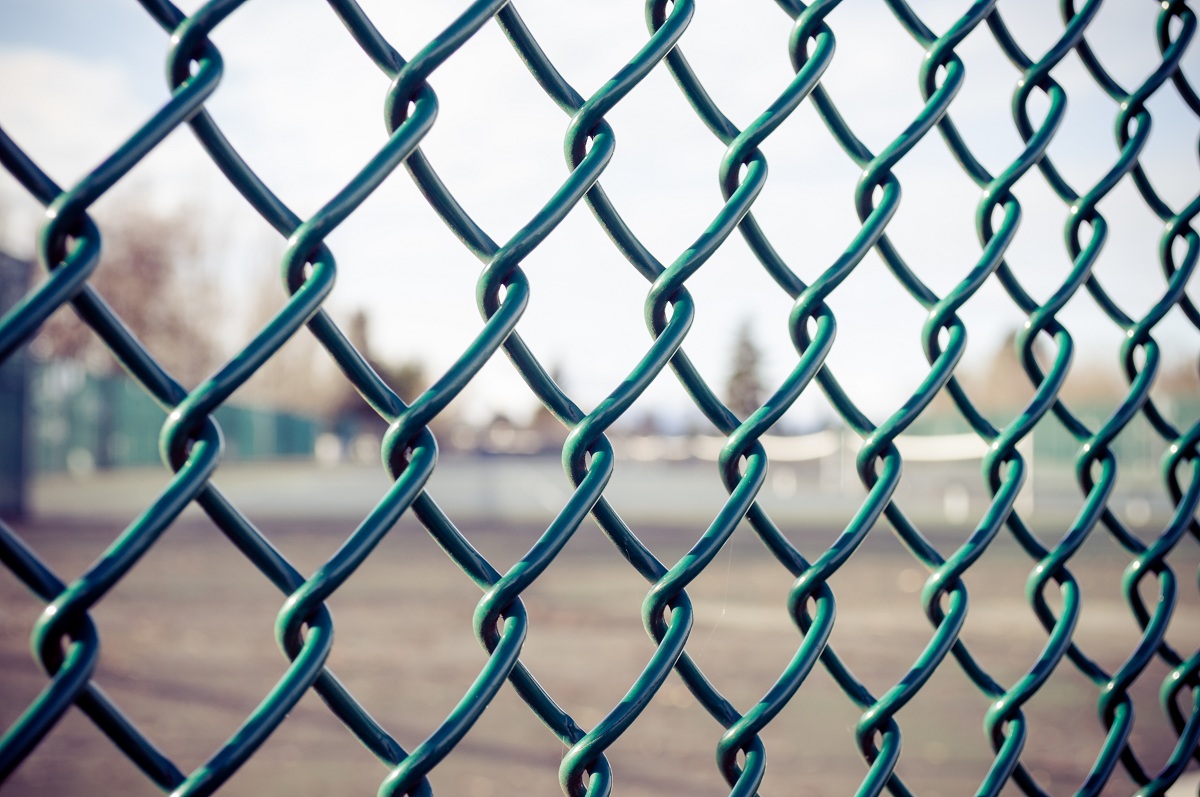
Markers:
(65, 112)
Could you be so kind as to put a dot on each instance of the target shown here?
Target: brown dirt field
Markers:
(188, 650)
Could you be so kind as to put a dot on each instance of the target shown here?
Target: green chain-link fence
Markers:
(66, 637)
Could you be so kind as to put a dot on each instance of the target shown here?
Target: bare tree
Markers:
(301, 377)
(150, 274)
(1181, 379)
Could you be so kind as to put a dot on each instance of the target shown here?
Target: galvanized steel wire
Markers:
(66, 640)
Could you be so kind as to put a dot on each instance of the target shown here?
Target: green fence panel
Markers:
(81, 422)
(14, 392)
(66, 637)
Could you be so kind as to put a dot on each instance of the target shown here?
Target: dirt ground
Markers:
(188, 651)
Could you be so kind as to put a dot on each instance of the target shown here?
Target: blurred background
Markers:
(194, 272)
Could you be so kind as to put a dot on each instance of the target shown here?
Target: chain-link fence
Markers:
(1153, 548)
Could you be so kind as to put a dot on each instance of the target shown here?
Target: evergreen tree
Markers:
(744, 391)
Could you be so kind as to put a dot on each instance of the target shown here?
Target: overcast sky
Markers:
(304, 106)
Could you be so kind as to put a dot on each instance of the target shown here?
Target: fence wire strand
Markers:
(66, 639)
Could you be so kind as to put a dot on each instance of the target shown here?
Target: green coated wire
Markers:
(66, 640)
